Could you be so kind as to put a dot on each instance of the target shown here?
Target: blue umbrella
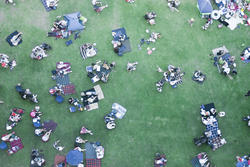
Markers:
(74, 157)
(3, 145)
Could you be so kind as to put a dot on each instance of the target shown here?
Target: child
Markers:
(191, 22)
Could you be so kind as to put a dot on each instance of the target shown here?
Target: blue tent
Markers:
(205, 7)
(74, 157)
(74, 23)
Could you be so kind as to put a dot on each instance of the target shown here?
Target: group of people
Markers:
(40, 131)
(26, 93)
(118, 42)
(14, 141)
(224, 61)
(39, 52)
(150, 17)
(37, 158)
(212, 133)
(6, 62)
(117, 112)
(173, 75)
(131, 66)
(100, 71)
(88, 50)
(14, 118)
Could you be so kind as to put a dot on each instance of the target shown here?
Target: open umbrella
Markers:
(3, 145)
(74, 157)
(49, 125)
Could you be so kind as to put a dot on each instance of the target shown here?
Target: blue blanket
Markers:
(46, 7)
(90, 151)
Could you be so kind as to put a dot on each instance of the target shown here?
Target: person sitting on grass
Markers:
(150, 17)
(153, 37)
(160, 160)
(98, 7)
(55, 145)
(198, 76)
(131, 66)
(208, 23)
(173, 5)
(10, 2)
(52, 3)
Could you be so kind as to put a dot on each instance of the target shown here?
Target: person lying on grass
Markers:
(97, 5)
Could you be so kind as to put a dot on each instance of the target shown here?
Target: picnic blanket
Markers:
(62, 79)
(90, 151)
(16, 145)
(46, 7)
(8, 39)
(69, 89)
(119, 32)
(125, 44)
(195, 162)
(59, 159)
(99, 92)
(234, 21)
(216, 50)
(93, 163)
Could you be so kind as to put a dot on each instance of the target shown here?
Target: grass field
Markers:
(165, 122)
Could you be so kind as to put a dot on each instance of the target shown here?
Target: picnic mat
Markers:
(99, 92)
(45, 5)
(90, 151)
(16, 143)
(127, 47)
(195, 162)
(69, 89)
(62, 79)
(93, 163)
(119, 31)
(8, 39)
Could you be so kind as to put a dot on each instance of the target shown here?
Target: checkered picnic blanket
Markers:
(69, 89)
(16, 145)
(62, 79)
(93, 163)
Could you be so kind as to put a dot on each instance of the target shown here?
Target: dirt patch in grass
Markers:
(39, 19)
(36, 18)
(2, 17)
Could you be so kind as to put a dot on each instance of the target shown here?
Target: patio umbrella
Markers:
(50, 125)
(74, 157)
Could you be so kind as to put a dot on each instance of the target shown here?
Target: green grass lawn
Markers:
(165, 122)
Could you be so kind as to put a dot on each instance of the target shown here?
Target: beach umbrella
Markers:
(74, 157)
